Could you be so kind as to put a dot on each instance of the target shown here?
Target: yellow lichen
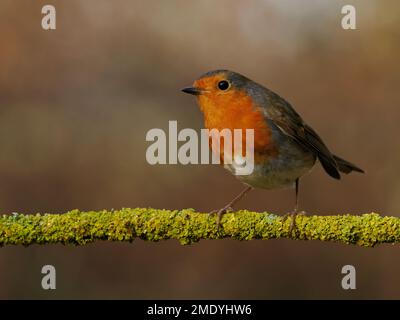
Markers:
(187, 226)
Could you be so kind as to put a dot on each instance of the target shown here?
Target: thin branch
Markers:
(188, 226)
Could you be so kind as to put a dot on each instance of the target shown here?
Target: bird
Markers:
(285, 147)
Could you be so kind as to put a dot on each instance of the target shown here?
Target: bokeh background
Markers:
(76, 103)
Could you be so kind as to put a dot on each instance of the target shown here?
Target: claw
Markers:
(229, 206)
(220, 213)
(293, 215)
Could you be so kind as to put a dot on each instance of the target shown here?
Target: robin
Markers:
(285, 147)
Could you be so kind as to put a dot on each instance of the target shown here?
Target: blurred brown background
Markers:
(76, 103)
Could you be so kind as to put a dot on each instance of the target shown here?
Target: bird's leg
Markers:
(229, 206)
(295, 211)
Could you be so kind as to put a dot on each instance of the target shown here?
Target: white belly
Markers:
(280, 172)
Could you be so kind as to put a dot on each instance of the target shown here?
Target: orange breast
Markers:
(236, 110)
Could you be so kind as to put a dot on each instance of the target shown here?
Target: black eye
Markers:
(223, 85)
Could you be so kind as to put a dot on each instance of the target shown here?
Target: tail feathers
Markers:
(330, 166)
(345, 166)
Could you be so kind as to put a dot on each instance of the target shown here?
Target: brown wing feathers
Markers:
(290, 122)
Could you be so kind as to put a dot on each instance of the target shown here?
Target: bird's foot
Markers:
(221, 212)
(293, 215)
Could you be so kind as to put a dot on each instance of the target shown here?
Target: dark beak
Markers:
(191, 90)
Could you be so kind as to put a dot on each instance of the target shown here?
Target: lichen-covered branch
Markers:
(188, 226)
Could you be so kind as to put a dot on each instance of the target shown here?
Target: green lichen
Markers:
(187, 226)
